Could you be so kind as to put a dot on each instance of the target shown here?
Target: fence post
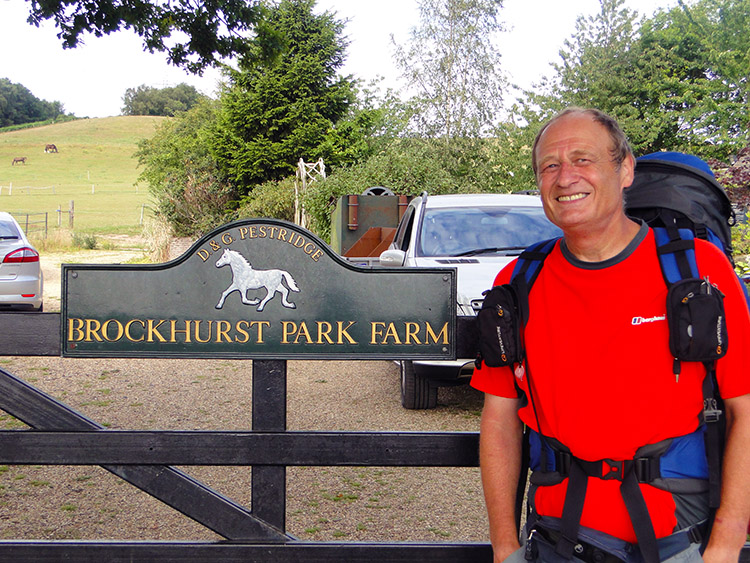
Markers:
(46, 223)
(70, 214)
(269, 415)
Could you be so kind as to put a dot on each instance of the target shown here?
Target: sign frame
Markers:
(385, 313)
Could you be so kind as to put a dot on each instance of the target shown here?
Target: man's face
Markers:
(580, 184)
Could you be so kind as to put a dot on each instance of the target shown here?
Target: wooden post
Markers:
(70, 214)
(269, 415)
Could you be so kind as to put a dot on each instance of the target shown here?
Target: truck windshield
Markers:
(466, 231)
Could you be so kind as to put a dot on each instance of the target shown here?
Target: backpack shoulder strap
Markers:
(676, 250)
(530, 262)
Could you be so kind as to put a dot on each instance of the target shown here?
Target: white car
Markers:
(478, 234)
(20, 272)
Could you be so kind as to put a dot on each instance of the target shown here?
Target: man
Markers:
(602, 386)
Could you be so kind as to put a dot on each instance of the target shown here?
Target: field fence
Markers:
(33, 222)
(26, 189)
(39, 221)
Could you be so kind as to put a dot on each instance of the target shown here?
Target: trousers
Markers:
(598, 547)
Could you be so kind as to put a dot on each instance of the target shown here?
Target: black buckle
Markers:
(646, 469)
(711, 410)
(613, 470)
(562, 462)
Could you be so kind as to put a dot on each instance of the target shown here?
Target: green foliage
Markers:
(194, 35)
(676, 81)
(286, 102)
(85, 241)
(18, 105)
(270, 199)
(189, 190)
(60, 119)
(145, 100)
(410, 166)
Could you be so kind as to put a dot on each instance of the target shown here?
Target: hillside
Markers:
(94, 168)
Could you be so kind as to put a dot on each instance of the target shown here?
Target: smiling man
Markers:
(599, 391)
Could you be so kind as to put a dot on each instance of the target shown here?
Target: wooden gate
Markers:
(92, 324)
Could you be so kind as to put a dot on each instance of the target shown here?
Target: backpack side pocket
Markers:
(697, 323)
(499, 323)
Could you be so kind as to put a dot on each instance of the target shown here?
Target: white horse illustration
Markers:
(244, 278)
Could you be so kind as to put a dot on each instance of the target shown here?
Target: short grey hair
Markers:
(620, 145)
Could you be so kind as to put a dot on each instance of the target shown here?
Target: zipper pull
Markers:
(676, 368)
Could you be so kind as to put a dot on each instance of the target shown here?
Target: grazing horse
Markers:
(245, 277)
(19, 160)
(50, 148)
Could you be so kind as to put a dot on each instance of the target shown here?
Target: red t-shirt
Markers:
(604, 384)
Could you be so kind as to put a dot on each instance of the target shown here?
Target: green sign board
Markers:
(263, 289)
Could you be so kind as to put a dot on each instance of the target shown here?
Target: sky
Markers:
(91, 80)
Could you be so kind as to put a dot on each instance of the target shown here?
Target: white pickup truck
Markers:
(477, 234)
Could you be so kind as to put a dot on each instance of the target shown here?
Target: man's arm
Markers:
(730, 526)
(500, 462)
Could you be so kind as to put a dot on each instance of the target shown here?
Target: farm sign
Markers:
(258, 288)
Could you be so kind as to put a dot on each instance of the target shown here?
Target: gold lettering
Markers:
(324, 332)
(105, 330)
(287, 329)
(316, 256)
(203, 254)
(214, 245)
(342, 332)
(198, 331)
(260, 325)
(303, 332)
(262, 231)
(92, 330)
(412, 333)
(153, 330)
(272, 229)
(310, 248)
(244, 336)
(431, 333)
(75, 331)
(227, 239)
(222, 328)
(243, 233)
(376, 331)
(173, 326)
(282, 234)
(127, 330)
(391, 332)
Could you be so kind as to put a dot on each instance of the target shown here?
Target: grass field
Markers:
(94, 168)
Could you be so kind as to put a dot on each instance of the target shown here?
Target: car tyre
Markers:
(416, 390)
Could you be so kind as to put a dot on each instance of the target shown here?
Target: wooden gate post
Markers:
(269, 415)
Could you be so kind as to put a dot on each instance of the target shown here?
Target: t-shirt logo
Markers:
(643, 320)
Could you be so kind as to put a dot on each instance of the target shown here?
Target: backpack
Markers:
(678, 196)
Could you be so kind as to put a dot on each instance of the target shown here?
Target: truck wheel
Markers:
(416, 390)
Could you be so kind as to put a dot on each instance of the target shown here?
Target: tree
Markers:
(676, 81)
(146, 100)
(190, 191)
(286, 101)
(212, 29)
(18, 105)
(451, 64)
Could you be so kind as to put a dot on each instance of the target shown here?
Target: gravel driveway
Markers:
(324, 504)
